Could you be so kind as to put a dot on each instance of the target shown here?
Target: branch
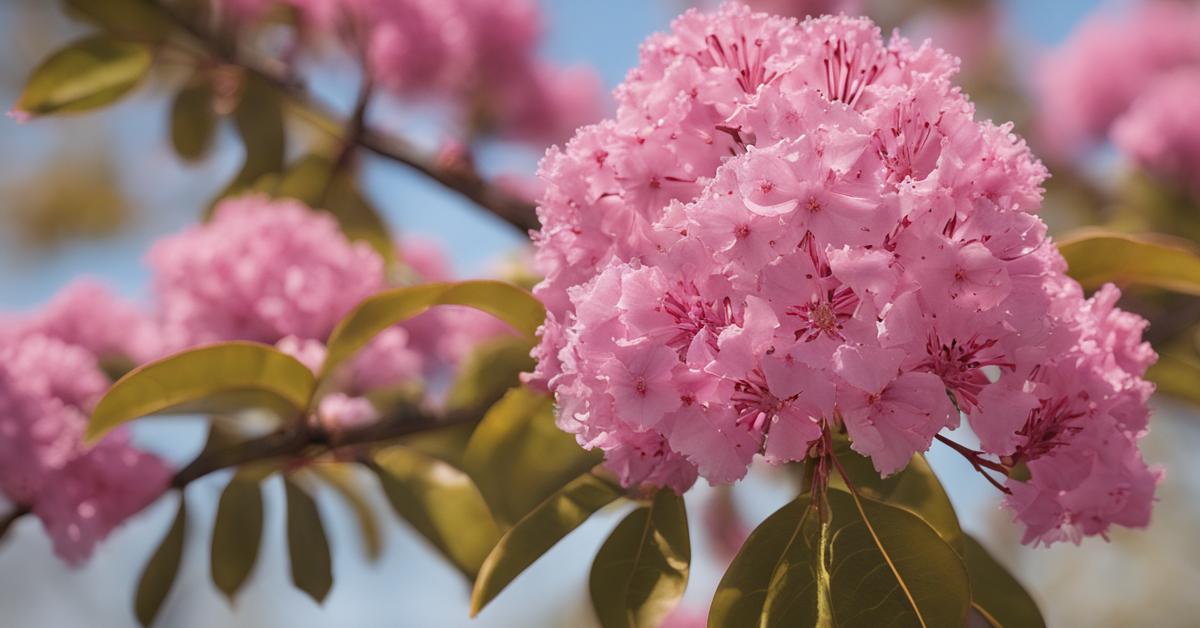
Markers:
(462, 179)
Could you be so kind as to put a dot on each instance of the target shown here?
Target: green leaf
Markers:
(641, 571)
(237, 533)
(313, 180)
(540, 530)
(158, 576)
(915, 489)
(1177, 375)
(260, 122)
(773, 580)
(996, 594)
(216, 378)
(518, 456)
(88, 74)
(308, 549)
(489, 372)
(1095, 257)
(887, 567)
(193, 119)
(140, 20)
(340, 477)
(441, 503)
(508, 303)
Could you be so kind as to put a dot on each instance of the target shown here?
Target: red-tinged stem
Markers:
(980, 463)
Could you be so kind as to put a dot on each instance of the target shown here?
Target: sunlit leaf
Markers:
(641, 571)
(887, 567)
(193, 119)
(340, 477)
(915, 488)
(158, 576)
(508, 303)
(540, 530)
(237, 533)
(216, 378)
(773, 580)
(308, 548)
(88, 74)
(489, 372)
(130, 19)
(260, 122)
(1176, 375)
(996, 594)
(518, 456)
(1095, 257)
(312, 179)
(447, 443)
(440, 503)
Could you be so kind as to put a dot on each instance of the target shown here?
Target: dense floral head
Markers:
(794, 226)
(261, 270)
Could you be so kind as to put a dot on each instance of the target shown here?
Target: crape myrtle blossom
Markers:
(50, 378)
(1124, 77)
(481, 55)
(792, 227)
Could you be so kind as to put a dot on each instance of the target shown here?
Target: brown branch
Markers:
(19, 511)
(463, 180)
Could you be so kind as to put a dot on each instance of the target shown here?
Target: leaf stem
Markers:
(980, 463)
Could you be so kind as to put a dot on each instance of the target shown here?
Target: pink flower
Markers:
(794, 227)
(261, 270)
(1159, 131)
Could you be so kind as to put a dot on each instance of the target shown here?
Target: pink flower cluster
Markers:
(794, 226)
(1131, 78)
(478, 54)
(49, 380)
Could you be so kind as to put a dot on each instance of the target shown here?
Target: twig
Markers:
(465, 181)
(11, 518)
(979, 462)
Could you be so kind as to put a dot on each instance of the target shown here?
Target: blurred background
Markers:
(87, 195)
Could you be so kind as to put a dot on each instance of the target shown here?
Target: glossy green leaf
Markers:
(313, 180)
(540, 530)
(341, 478)
(641, 571)
(440, 503)
(193, 119)
(887, 567)
(508, 303)
(489, 372)
(308, 548)
(216, 378)
(158, 576)
(915, 488)
(237, 533)
(88, 74)
(140, 20)
(1095, 257)
(996, 594)
(518, 456)
(1177, 375)
(773, 580)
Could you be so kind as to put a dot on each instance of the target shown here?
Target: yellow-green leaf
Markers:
(518, 456)
(260, 122)
(773, 580)
(996, 594)
(130, 19)
(887, 567)
(308, 549)
(1095, 257)
(237, 533)
(440, 503)
(193, 119)
(90, 73)
(489, 372)
(312, 180)
(540, 530)
(158, 576)
(508, 303)
(341, 478)
(915, 489)
(216, 378)
(1177, 375)
(641, 571)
